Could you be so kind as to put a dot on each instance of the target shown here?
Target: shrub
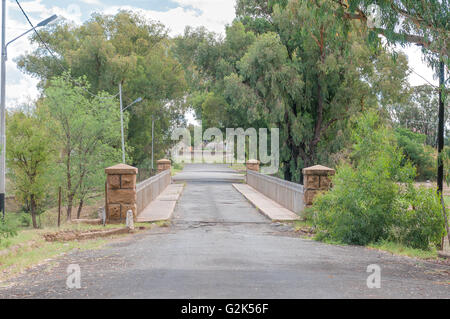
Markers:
(422, 223)
(373, 198)
(361, 207)
(7, 229)
(25, 220)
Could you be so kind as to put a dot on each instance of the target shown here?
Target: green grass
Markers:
(238, 167)
(402, 250)
(447, 201)
(392, 247)
(176, 168)
(162, 223)
(301, 224)
(41, 251)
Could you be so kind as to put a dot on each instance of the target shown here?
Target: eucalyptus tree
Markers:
(424, 23)
(111, 49)
(304, 72)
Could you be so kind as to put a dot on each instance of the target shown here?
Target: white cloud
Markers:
(22, 92)
(92, 2)
(20, 87)
(213, 14)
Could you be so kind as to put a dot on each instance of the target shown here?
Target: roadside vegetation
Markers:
(339, 94)
(29, 247)
(403, 250)
(373, 198)
(240, 168)
(176, 168)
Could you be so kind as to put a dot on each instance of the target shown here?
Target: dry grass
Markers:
(29, 247)
(90, 210)
(433, 185)
(402, 250)
(239, 167)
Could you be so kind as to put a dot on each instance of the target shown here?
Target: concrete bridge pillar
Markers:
(120, 192)
(253, 165)
(316, 179)
(163, 164)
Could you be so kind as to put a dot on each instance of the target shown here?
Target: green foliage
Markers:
(420, 113)
(301, 71)
(423, 23)
(24, 220)
(422, 223)
(109, 49)
(445, 155)
(373, 199)
(7, 229)
(403, 250)
(30, 153)
(87, 131)
(414, 149)
(209, 107)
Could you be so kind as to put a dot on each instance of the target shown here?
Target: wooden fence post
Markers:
(59, 206)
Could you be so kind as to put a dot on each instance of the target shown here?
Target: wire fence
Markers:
(145, 173)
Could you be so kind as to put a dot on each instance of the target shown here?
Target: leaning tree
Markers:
(402, 22)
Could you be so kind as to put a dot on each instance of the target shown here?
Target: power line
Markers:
(56, 58)
(412, 70)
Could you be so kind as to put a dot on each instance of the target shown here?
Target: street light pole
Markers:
(139, 99)
(3, 100)
(121, 123)
(2, 114)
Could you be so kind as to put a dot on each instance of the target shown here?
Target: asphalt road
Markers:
(219, 246)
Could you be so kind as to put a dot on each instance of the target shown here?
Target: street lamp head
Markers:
(46, 21)
(133, 103)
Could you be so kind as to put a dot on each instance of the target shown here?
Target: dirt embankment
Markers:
(70, 235)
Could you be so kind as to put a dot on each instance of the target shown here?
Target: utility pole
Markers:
(121, 123)
(2, 115)
(440, 177)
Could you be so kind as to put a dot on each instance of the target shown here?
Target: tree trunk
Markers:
(69, 207)
(287, 171)
(69, 186)
(33, 211)
(80, 207)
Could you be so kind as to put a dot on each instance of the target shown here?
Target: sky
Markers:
(175, 14)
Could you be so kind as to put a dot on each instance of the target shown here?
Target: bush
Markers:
(25, 220)
(373, 198)
(422, 223)
(361, 207)
(7, 229)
